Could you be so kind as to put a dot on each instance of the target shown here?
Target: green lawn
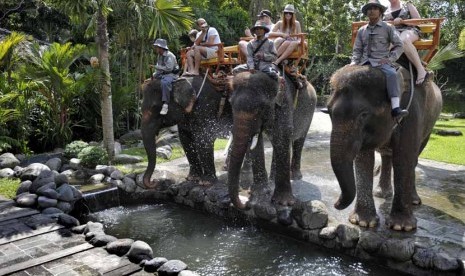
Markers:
(447, 149)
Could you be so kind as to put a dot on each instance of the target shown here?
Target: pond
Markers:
(210, 246)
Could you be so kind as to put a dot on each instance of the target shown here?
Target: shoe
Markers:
(398, 113)
(420, 82)
(164, 109)
(324, 110)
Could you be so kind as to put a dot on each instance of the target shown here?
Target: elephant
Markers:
(285, 117)
(194, 107)
(361, 119)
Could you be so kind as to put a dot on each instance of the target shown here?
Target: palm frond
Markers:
(450, 51)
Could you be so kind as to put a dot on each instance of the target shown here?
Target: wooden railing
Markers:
(430, 34)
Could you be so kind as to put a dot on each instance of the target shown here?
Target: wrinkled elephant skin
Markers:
(361, 117)
(198, 129)
(255, 111)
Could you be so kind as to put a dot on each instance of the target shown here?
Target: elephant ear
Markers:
(183, 94)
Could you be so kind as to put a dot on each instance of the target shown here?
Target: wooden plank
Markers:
(45, 259)
(39, 231)
(19, 214)
(125, 269)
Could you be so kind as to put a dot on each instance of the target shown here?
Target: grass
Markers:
(447, 149)
(8, 187)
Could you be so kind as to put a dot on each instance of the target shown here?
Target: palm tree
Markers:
(166, 17)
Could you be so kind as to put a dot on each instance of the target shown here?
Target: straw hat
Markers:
(160, 43)
(261, 25)
(372, 3)
(264, 13)
(289, 8)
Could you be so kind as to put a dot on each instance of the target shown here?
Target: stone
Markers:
(44, 178)
(399, 250)
(54, 163)
(79, 229)
(459, 115)
(65, 192)
(217, 192)
(283, 215)
(371, 242)
(117, 174)
(423, 258)
(129, 185)
(24, 187)
(127, 159)
(26, 200)
(311, 214)
(32, 171)
(119, 247)
(164, 152)
(65, 206)
(131, 137)
(347, 235)
(8, 160)
(52, 211)
(67, 220)
(18, 171)
(187, 273)
(96, 178)
(45, 202)
(197, 194)
(47, 187)
(443, 262)
(328, 233)
(172, 267)
(265, 211)
(139, 251)
(75, 163)
(93, 227)
(106, 170)
(448, 132)
(7, 173)
(61, 179)
(154, 264)
(102, 240)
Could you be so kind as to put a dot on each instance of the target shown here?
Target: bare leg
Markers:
(243, 50)
(408, 37)
(277, 42)
(190, 61)
(197, 59)
(287, 51)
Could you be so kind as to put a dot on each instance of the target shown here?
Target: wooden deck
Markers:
(34, 244)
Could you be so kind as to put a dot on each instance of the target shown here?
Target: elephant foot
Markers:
(416, 200)
(149, 184)
(364, 220)
(193, 178)
(259, 196)
(382, 193)
(284, 199)
(401, 222)
(296, 175)
(207, 180)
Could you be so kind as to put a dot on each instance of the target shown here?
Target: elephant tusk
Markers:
(253, 144)
(228, 144)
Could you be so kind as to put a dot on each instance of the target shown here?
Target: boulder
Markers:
(54, 164)
(8, 160)
(7, 173)
(127, 159)
(119, 247)
(32, 171)
(139, 251)
(172, 267)
(311, 214)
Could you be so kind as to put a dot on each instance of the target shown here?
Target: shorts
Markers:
(211, 53)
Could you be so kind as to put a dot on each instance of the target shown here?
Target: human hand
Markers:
(247, 32)
(259, 55)
(397, 21)
(384, 61)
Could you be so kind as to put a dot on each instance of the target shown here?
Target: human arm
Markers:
(414, 14)
(357, 50)
(277, 32)
(396, 44)
(166, 64)
(249, 56)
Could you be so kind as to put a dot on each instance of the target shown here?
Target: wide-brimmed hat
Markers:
(372, 3)
(160, 43)
(261, 25)
(264, 13)
(289, 8)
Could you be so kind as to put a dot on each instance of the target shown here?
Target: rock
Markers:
(197, 194)
(79, 229)
(131, 137)
(164, 152)
(66, 207)
(7, 173)
(61, 179)
(371, 242)
(48, 186)
(154, 264)
(347, 235)
(187, 273)
(117, 147)
(44, 178)
(45, 202)
(172, 267)
(265, 211)
(24, 187)
(117, 174)
(217, 193)
(459, 115)
(443, 262)
(311, 214)
(8, 160)
(328, 233)
(129, 185)
(52, 211)
(139, 251)
(75, 163)
(32, 171)
(399, 250)
(119, 247)
(18, 171)
(127, 159)
(423, 258)
(106, 170)
(26, 200)
(93, 227)
(102, 240)
(96, 178)
(67, 220)
(54, 164)
(449, 132)
(65, 193)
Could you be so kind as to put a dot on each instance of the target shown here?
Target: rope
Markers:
(203, 82)
(412, 90)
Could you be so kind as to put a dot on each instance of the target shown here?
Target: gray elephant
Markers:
(197, 108)
(285, 117)
(362, 123)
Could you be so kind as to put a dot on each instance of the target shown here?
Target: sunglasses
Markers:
(288, 13)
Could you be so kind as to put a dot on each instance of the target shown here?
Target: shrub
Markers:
(74, 148)
(92, 156)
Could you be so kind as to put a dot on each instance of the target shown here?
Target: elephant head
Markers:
(194, 102)
(362, 123)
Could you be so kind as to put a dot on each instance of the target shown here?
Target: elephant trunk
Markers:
(242, 132)
(149, 131)
(342, 152)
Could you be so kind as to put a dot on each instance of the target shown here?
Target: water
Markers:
(210, 246)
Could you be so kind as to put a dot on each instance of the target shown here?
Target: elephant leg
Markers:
(384, 188)
(195, 170)
(404, 161)
(206, 157)
(273, 167)
(260, 190)
(297, 147)
(150, 127)
(364, 213)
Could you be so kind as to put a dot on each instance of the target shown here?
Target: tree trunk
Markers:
(105, 79)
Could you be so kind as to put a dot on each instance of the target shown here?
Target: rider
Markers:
(372, 46)
(166, 67)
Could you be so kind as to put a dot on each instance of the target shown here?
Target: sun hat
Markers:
(160, 43)
(264, 13)
(289, 8)
(261, 25)
(372, 3)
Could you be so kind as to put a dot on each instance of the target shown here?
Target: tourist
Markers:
(166, 71)
(396, 12)
(285, 44)
(373, 47)
(263, 16)
(205, 47)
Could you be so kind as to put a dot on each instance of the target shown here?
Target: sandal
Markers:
(422, 81)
